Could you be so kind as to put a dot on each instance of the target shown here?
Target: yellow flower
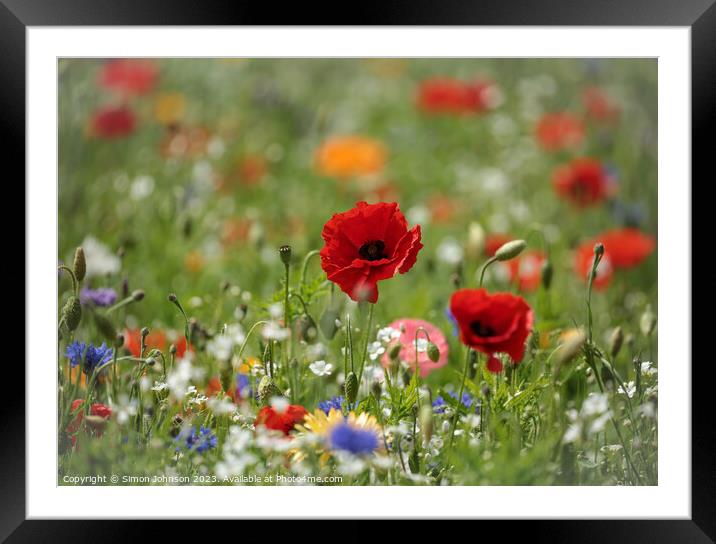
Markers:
(349, 156)
(248, 364)
(169, 108)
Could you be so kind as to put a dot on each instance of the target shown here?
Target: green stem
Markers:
(459, 400)
(306, 259)
(365, 343)
(484, 267)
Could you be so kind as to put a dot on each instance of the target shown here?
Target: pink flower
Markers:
(407, 328)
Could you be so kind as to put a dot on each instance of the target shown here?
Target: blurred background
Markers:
(178, 174)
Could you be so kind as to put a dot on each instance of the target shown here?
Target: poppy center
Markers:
(482, 330)
(373, 250)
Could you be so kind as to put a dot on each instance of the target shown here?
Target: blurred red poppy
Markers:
(623, 248)
(280, 421)
(559, 131)
(96, 409)
(526, 270)
(492, 323)
(156, 339)
(599, 105)
(367, 244)
(113, 122)
(493, 242)
(129, 76)
(446, 95)
(583, 182)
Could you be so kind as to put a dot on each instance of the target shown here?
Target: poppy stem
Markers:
(459, 400)
(306, 260)
(484, 267)
(365, 343)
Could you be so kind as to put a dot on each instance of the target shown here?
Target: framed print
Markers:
(427, 266)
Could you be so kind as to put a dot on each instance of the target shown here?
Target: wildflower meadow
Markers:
(357, 272)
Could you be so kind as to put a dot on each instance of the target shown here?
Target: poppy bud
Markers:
(119, 340)
(547, 272)
(285, 254)
(267, 389)
(145, 332)
(96, 423)
(599, 249)
(485, 390)
(377, 389)
(351, 387)
(510, 250)
(394, 352)
(571, 346)
(426, 422)
(72, 312)
(616, 341)
(137, 295)
(79, 267)
(171, 297)
(647, 322)
(475, 240)
(433, 352)
(173, 349)
(151, 361)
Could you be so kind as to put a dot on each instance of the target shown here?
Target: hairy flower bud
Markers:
(79, 267)
(395, 350)
(433, 352)
(647, 322)
(137, 295)
(351, 387)
(426, 422)
(571, 346)
(547, 273)
(72, 313)
(510, 250)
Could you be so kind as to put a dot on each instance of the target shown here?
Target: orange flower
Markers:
(235, 230)
(187, 142)
(350, 156)
(169, 108)
(252, 169)
(442, 209)
(194, 261)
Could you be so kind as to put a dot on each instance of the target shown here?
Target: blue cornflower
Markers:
(345, 436)
(197, 441)
(334, 402)
(75, 352)
(439, 403)
(103, 296)
(96, 356)
(243, 386)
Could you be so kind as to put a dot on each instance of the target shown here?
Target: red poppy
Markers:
(497, 323)
(584, 182)
(627, 247)
(97, 409)
(558, 131)
(445, 95)
(280, 421)
(252, 169)
(156, 339)
(599, 105)
(367, 244)
(526, 270)
(113, 122)
(129, 76)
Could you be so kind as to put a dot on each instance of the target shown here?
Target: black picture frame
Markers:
(699, 15)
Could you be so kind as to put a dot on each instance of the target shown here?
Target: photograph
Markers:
(357, 272)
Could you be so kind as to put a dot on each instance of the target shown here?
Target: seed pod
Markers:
(647, 322)
(510, 250)
(426, 422)
(351, 387)
(616, 341)
(285, 254)
(433, 352)
(104, 326)
(267, 389)
(327, 322)
(72, 312)
(599, 249)
(547, 273)
(79, 267)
